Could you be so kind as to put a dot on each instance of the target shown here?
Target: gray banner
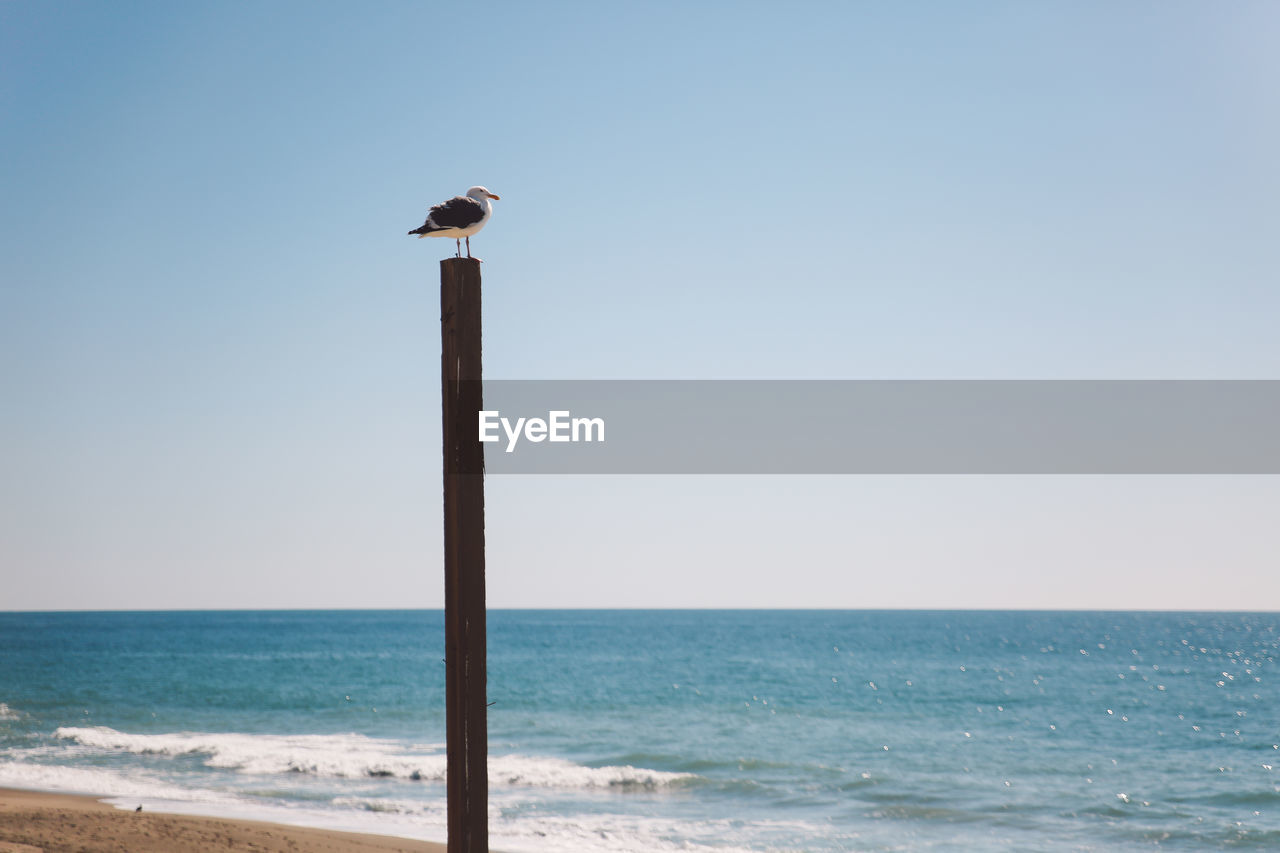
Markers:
(881, 427)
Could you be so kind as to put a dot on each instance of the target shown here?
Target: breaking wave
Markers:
(355, 756)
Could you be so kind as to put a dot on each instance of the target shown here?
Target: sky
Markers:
(218, 350)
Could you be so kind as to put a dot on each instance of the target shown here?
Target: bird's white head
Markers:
(479, 193)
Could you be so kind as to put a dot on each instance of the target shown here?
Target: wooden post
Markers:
(464, 611)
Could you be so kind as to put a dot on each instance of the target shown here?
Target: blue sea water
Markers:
(673, 730)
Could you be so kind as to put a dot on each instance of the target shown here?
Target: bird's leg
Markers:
(468, 245)
(459, 242)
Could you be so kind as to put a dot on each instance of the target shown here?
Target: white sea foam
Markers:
(524, 832)
(96, 780)
(7, 713)
(521, 833)
(518, 770)
(355, 756)
(518, 785)
(342, 756)
(613, 833)
(518, 833)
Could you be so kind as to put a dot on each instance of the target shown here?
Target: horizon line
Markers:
(675, 609)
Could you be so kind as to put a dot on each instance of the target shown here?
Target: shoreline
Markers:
(43, 822)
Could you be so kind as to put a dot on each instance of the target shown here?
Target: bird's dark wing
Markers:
(457, 212)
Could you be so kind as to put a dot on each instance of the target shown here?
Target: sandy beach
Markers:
(34, 822)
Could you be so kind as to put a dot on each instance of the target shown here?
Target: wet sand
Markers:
(33, 822)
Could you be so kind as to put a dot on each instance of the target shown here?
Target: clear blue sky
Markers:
(218, 348)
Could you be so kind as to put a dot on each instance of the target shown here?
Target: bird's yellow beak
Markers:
(494, 197)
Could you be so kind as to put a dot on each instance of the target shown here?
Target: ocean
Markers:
(673, 730)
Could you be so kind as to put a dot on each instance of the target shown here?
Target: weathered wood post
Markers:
(464, 611)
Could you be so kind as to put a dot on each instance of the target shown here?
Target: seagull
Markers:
(460, 216)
